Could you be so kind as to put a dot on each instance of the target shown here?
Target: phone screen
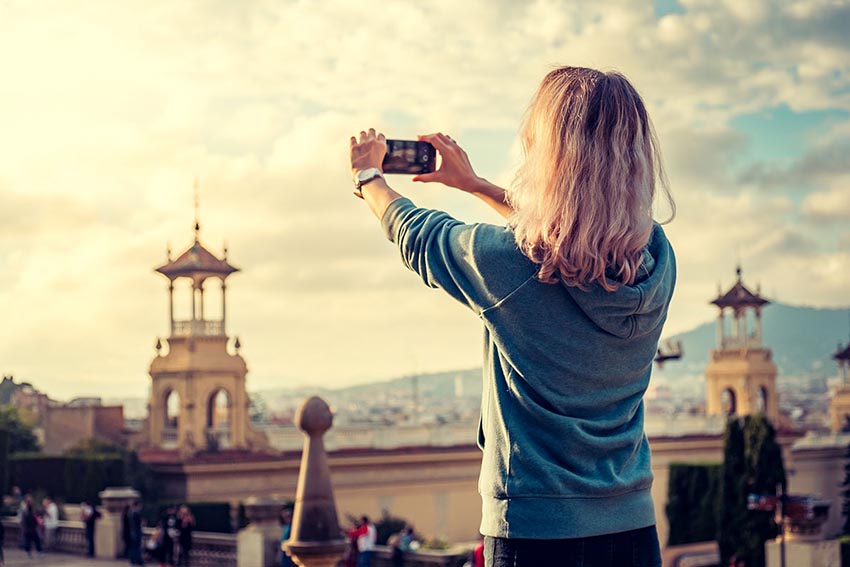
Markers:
(410, 157)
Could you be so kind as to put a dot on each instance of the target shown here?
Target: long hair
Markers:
(583, 197)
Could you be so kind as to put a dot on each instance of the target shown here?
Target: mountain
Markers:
(803, 340)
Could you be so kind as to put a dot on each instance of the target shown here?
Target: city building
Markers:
(839, 407)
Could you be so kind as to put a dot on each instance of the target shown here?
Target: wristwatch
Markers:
(365, 176)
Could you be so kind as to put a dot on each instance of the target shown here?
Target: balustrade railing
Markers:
(70, 536)
(197, 328)
(208, 549)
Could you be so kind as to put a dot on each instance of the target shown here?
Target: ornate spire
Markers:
(197, 207)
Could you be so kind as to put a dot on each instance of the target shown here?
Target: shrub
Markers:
(692, 502)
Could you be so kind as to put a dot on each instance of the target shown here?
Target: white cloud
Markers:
(111, 110)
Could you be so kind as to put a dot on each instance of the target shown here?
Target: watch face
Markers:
(366, 173)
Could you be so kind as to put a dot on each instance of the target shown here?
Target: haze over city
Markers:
(110, 112)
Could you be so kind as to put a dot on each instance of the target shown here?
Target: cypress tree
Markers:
(845, 495)
(752, 465)
(732, 492)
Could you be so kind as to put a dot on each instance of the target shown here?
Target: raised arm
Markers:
(456, 171)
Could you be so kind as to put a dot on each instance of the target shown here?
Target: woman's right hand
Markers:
(455, 169)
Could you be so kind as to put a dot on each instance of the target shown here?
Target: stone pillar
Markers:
(108, 543)
(258, 544)
(315, 540)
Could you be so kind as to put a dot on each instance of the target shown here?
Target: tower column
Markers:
(741, 319)
(721, 322)
(201, 299)
(171, 304)
(194, 301)
(758, 327)
(223, 308)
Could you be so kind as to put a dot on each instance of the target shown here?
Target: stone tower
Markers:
(839, 405)
(198, 399)
(741, 375)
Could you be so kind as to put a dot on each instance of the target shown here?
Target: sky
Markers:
(110, 110)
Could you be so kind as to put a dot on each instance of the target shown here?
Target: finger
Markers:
(426, 177)
(362, 136)
(381, 137)
(438, 142)
(371, 133)
(353, 141)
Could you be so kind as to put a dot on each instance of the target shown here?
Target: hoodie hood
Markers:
(637, 309)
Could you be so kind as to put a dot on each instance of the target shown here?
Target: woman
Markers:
(573, 294)
(185, 524)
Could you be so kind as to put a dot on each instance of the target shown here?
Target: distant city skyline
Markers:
(110, 111)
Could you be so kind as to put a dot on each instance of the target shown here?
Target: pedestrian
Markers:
(89, 514)
(170, 533)
(186, 525)
(285, 519)
(51, 522)
(400, 544)
(365, 535)
(2, 542)
(29, 526)
(572, 292)
(134, 533)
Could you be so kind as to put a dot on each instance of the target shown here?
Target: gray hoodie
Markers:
(565, 370)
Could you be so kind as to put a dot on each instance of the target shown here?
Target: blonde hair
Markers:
(583, 197)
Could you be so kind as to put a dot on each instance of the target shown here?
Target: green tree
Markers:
(752, 464)
(21, 436)
(845, 495)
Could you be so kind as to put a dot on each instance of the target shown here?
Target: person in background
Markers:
(169, 533)
(365, 535)
(51, 522)
(89, 515)
(134, 533)
(186, 524)
(478, 553)
(2, 542)
(29, 526)
(19, 506)
(400, 544)
(285, 531)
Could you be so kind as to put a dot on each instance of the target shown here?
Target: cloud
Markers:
(111, 111)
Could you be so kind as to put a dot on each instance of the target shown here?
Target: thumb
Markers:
(426, 177)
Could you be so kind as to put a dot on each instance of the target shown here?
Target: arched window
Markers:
(728, 402)
(219, 415)
(218, 409)
(761, 400)
(172, 409)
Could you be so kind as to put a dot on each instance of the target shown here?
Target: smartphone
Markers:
(410, 157)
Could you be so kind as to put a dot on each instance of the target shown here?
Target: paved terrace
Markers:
(17, 558)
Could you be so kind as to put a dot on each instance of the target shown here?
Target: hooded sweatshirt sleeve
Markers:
(440, 249)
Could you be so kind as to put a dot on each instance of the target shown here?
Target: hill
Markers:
(803, 340)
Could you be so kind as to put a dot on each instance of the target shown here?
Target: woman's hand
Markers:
(368, 152)
(455, 169)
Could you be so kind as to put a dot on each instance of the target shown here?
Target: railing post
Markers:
(257, 545)
(315, 539)
(108, 541)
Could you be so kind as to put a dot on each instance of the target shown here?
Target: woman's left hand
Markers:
(368, 152)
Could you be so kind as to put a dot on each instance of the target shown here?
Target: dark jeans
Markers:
(636, 548)
(134, 552)
(90, 541)
(32, 540)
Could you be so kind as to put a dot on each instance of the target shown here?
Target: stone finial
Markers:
(316, 540)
